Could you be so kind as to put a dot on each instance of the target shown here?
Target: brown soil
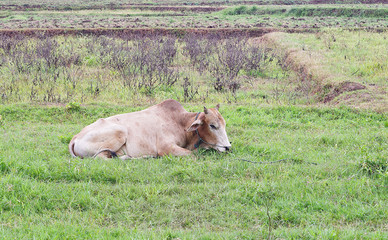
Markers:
(186, 6)
(112, 7)
(372, 98)
(341, 88)
(285, 2)
(176, 8)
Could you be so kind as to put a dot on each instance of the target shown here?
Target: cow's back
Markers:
(169, 111)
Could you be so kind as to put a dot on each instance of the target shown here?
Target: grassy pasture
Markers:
(331, 182)
(45, 193)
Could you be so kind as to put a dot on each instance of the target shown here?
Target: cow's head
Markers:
(211, 129)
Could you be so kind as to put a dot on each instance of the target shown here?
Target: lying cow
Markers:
(163, 129)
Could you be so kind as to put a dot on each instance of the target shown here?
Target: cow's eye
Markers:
(212, 126)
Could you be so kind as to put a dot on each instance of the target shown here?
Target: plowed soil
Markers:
(170, 4)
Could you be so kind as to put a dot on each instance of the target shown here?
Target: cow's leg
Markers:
(174, 150)
(104, 142)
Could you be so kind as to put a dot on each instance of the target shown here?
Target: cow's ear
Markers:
(218, 107)
(195, 125)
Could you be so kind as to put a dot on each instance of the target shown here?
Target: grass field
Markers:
(310, 107)
(46, 193)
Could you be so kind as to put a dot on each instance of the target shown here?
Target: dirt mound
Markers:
(372, 98)
(341, 88)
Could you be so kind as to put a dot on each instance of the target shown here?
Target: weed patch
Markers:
(375, 167)
(77, 70)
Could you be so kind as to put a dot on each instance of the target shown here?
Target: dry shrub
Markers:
(225, 59)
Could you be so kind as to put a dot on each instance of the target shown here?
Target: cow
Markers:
(163, 129)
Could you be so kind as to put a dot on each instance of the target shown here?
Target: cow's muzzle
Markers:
(228, 148)
(223, 148)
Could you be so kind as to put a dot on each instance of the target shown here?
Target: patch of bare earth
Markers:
(341, 88)
(371, 97)
(176, 8)
(201, 8)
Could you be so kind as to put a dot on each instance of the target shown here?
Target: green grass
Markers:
(47, 194)
(364, 11)
(339, 12)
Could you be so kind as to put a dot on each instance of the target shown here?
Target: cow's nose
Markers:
(227, 148)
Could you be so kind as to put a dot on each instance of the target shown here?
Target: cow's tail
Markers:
(71, 148)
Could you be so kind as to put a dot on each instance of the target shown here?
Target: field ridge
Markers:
(177, 32)
(324, 84)
(309, 11)
(125, 32)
